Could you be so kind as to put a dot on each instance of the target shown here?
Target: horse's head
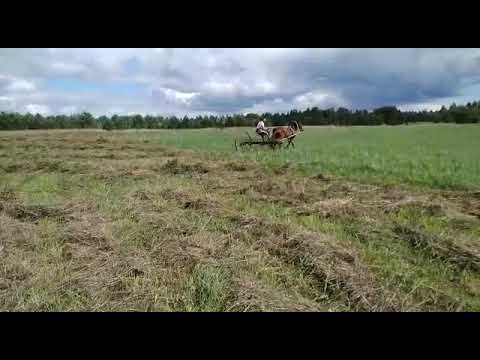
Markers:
(296, 126)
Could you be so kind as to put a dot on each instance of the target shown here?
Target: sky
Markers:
(226, 81)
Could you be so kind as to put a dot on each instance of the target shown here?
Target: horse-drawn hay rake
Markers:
(270, 139)
(249, 141)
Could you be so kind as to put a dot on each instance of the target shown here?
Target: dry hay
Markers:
(202, 203)
(462, 256)
(99, 267)
(471, 206)
(428, 205)
(236, 166)
(135, 172)
(250, 296)
(336, 268)
(7, 195)
(33, 213)
(187, 200)
(185, 251)
(143, 195)
(15, 234)
(177, 168)
(287, 193)
(332, 208)
(322, 177)
(252, 228)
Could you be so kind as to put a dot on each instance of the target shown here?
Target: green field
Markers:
(442, 156)
(351, 219)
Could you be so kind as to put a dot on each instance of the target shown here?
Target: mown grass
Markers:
(177, 221)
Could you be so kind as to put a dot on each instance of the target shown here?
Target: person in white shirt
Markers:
(261, 125)
(261, 129)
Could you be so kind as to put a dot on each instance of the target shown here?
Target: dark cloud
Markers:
(192, 81)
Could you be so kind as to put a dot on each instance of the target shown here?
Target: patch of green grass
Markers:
(51, 238)
(439, 156)
(208, 288)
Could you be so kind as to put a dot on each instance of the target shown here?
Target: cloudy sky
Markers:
(225, 81)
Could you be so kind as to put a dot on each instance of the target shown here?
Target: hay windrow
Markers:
(462, 257)
(176, 167)
(236, 166)
(332, 208)
(33, 212)
(336, 269)
(251, 296)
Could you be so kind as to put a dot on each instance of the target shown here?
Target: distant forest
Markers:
(387, 115)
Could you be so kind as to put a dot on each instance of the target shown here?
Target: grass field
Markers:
(352, 219)
(441, 156)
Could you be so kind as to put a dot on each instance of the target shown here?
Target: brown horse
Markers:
(280, 134)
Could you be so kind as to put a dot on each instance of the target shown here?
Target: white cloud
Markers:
(13, 84)
(318, 99)
(21, 85)
(221, 87)
(266, 87)
(420, 107)
(38, 109)
(68, 68)
(178, 97)
(197, 81)
(69, 109)
(7, 103)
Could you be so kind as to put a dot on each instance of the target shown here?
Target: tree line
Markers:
(387, 115)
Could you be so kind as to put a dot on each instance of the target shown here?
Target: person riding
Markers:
(261, 129)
